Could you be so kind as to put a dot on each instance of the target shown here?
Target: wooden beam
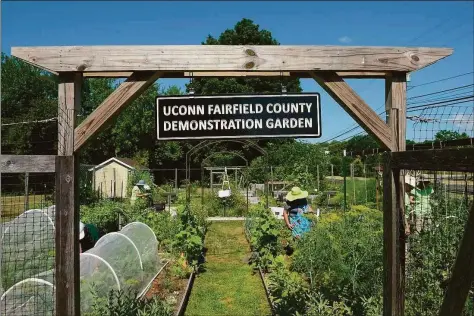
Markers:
(363, 114)
(395, 105)
(446, 159)
(112, 105)
(67, 237)
(391, 237)
(27, 163)
(67, 214)
(194, 58)
(223, 74)
(463, 273)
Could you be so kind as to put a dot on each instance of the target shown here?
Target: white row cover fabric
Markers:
(121, 260)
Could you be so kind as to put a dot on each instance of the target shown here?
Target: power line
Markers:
(440, 80)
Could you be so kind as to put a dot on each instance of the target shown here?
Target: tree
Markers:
(245, 32)
(28, 94)
(446, 135)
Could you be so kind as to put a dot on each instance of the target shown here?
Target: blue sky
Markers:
(436, 24)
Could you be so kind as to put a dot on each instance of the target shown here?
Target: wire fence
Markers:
(436, 211)
(28, 244)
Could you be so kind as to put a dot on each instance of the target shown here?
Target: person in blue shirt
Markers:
(294, 210)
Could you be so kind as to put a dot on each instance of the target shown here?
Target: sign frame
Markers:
(238, 95)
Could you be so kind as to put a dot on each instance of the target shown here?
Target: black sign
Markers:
(238, 116)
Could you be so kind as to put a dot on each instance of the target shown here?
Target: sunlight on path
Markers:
(227, 286)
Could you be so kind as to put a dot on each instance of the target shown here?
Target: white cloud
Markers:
(345, 39)
(464, 121)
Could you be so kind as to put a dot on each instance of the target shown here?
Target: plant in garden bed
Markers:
(288, 290)
(122, 303)
(264, 232)
(342, 257)
(431, 256)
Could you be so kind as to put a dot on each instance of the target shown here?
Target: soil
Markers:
(168, 287)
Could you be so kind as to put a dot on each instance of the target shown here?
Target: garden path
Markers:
(228, 285)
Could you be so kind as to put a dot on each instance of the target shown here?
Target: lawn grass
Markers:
(228, 285)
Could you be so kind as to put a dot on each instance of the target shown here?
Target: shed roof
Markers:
(126, 162)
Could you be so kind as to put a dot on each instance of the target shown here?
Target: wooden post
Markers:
(67, 214)
(271, 175)
(27, 200)
(176, 180)
(394, 214)
(463, 273)
(391, 258)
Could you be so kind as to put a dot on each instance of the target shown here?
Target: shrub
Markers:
(319, 306)
(264, 232)
(288, 290)
(234, 205)
(163, 225)
(342, 256)
(121, 303)
(103, 214)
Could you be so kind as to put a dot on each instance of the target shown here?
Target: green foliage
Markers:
(180, 268)
(234, 205)
(342, 256)
(263, 230)
(288, 290)
(163, 225)
(104, 214)
(319, 306)
(122, 303)
(245, 32)
(445, 135)
(189, 241)
(431, 257)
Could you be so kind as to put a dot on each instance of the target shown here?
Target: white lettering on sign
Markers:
(201, 117)
(290, 123)
(286, 108)
(183, 110)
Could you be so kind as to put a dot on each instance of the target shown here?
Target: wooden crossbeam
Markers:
(112, 105)
(276, 74)
(195, 58)
(363, 114)
(463, 273)
(446, 159)
(27, 163)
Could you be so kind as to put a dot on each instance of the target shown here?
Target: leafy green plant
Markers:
(288, 290)
(263, 230)
(319, 306)
(103, 214)
(342, 256)
(124, 303)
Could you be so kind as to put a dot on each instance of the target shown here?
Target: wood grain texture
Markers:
(229, 58)
(112, 105)
(363, 114)
(395, 105)
(69, 101)
(27, 163)
(230, 74)
(67, 237)
(447, 159)
(391, 256)
(463, 273)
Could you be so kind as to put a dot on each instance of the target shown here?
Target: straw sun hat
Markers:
(296, 193)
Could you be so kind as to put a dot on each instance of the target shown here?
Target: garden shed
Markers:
(110, 178)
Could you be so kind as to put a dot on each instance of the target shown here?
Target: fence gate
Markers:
(450, 174)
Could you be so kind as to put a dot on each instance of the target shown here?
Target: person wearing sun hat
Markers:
(295, 208)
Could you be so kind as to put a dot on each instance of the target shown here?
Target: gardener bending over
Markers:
(140, 191)
(294, 210)
(88, 236)
(410, 184)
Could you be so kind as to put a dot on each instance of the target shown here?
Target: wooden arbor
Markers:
(143, 65)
